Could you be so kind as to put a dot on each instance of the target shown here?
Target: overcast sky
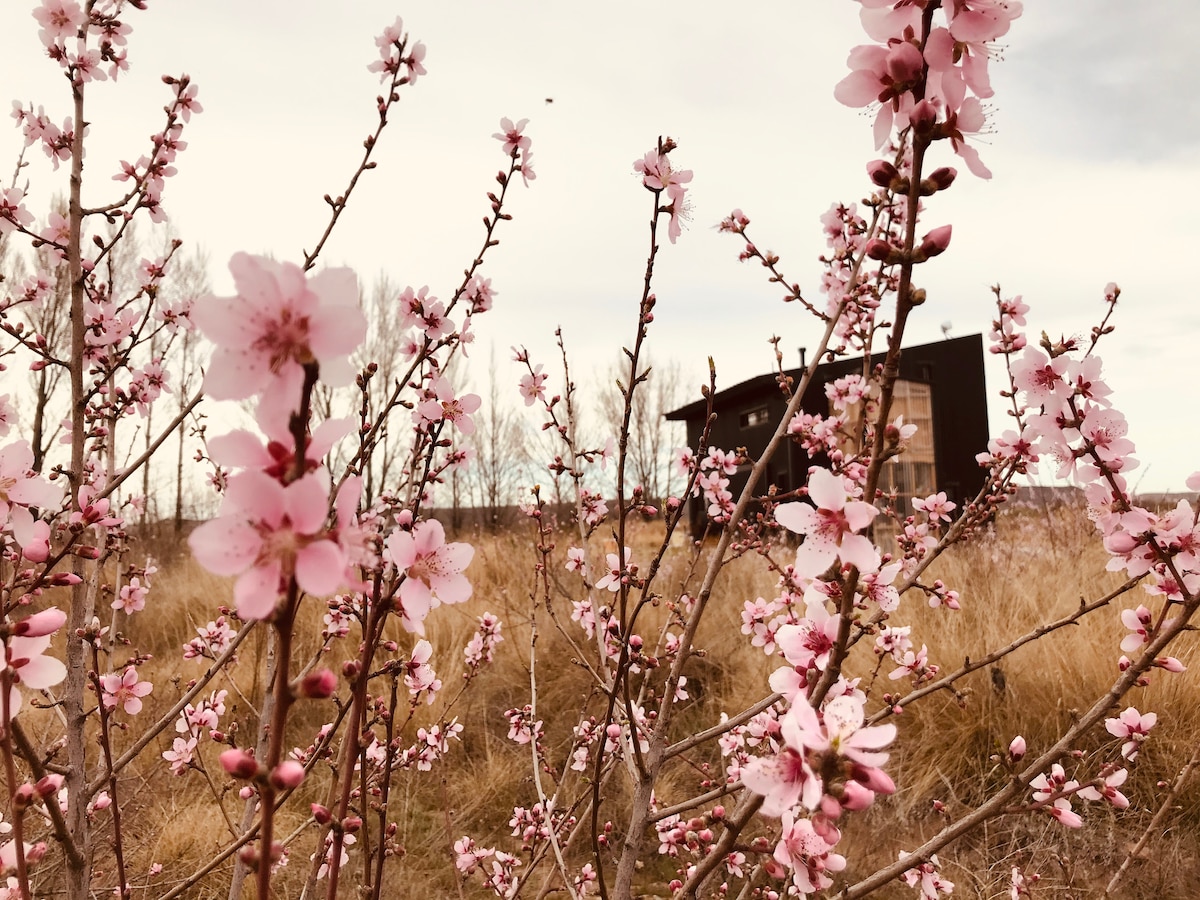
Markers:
(1096, 133)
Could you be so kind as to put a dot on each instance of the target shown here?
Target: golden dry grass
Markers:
(1036, 567)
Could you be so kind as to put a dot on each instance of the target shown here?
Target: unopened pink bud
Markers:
(718, 813)
(936, 241)
(288, 774)
(239, 763)
(1017, 748)
(855, 796)
(49, 785)
(882, 172)
(878, 249)
(923, 116)
(321, 814)
(41, 624)
(351, 824)
(24, 796)
(613, 731)
(35, 853)
(1171, 664)
(87, 551)
(103, 801)
(942, 178)
(873, 779)
(351, 668)
(318, 685)
(65, 579)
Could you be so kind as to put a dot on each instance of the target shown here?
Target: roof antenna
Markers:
(803, 354)
(946, 326)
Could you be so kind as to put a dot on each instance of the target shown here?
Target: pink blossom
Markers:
(125, 690)
(28, 665)
(441, 404)
(659, 175)
(611, 581)
(830, 529)
(511, 136)
(808, 643)
(268, 533)
(180, 755)
(419, 675)
(59, 19)
(531, 387)
(432, 570)
(1133, 728)
(280, 320)
(1138, 621)
(577, 560)
(927, 878)
(1106, 789)
(807, 854)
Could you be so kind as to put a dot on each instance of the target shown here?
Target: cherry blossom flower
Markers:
(807, 854)
(659, 175)
(927, 877)
(1105, 788)
(1045, 787)
(267, 533)
(1133, 728)
(532, 388)
(180, 755)
(59, 19)
(830, 529)
(511, 136)
(27, 663)
(124, 690)
(419, 675)
(278, 321)
(441, 404)
(611, 581)
(432, 570)
(577, 560)
(1138, 621)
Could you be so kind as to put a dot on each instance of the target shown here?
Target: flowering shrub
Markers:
(298, 531)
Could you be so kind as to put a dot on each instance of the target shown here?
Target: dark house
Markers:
(941, 390)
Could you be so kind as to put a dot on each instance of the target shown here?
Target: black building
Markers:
(940, 389)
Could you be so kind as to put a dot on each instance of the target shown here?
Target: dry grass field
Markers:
(1036, 566)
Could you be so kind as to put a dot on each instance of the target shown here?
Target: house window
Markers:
(911, 474)
(752, 418)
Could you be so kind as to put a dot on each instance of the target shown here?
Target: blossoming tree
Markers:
(295, 535)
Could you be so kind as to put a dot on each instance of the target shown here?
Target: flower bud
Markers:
(923, 116)
(942, 178)
(288, 774)
(878, 249)
(856, 797)
(936, 241)
(41, 624)
(239, 763)
(318, 685)
(882, 172)
(1171, 664)
(48, 785)
(351, 824)
(1016, 750)
(321, 814)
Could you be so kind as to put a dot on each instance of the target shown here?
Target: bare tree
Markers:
(500, 451)
(382, 350)
(652, 437)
